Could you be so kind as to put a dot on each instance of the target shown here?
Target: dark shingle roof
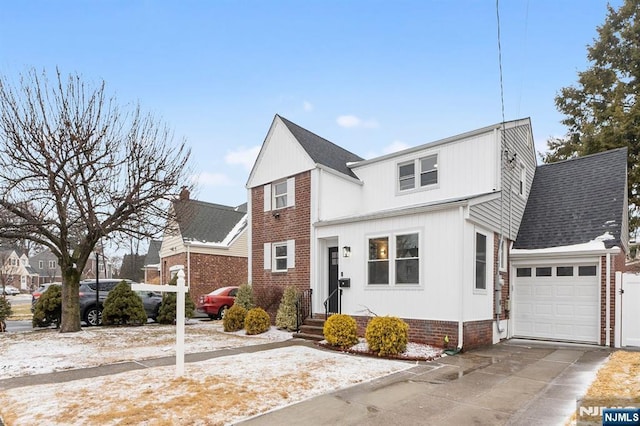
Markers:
(321, 150)
(206, 222)
(575, 201)
(153, 254)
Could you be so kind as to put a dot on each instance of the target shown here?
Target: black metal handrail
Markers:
(304, 307)
(326, 301)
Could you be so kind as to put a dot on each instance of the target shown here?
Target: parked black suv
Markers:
(92, 314)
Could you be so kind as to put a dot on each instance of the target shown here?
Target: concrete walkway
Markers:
(514, 383)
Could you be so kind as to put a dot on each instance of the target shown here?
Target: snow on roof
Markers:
(595, 245)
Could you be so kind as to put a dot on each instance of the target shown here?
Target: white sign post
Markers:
(181, 289)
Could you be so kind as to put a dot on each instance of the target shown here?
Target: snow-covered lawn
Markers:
(216, 391)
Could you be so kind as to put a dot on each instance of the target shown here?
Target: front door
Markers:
(333, 279)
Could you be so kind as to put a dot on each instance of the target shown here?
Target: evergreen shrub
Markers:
(123, 307)
(48, 308)
(244, 297)
(341, 331)
(234, 318)
(257, 321)
(287, 312)
(387, 335)
(167, 311)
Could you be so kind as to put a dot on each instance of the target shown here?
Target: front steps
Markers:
(311, 329)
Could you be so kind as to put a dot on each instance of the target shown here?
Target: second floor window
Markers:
(52, 264)
(280, 194)
(427, 170)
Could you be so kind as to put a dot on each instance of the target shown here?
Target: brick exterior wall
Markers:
(208, 272)
(292, 223)
(477, 333)
(433, 332)
(618, 263)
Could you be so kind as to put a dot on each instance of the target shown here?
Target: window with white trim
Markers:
(41, 264)
(280, 256)
(481, 262)
(378, 261)
(279, 194)
(407, 260)
(427, 170)
(394, 260)
(52, 264)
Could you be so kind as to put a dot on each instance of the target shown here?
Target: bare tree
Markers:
(75, 168)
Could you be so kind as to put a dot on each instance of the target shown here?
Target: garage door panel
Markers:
(562, 308)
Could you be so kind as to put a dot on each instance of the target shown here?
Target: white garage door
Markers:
(557, 303)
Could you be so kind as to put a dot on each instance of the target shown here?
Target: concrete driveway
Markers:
(516, 382)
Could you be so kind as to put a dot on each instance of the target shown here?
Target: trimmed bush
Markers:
(167, 311)
(341, 331)
(286, 315)
(48, 308)
(234, 318)
(257, 321)
(5, 311)
(387, 335)
(123, 307)
(244, 297)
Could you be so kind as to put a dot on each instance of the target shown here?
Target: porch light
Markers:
(346, 251)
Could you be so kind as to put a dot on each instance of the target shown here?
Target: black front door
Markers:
(333, 279)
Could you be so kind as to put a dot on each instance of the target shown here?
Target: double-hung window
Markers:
(280, 194)
(394, 260)
(407, 260)
(481, 261)
(379, 260)
(280, 256)
(425, 167)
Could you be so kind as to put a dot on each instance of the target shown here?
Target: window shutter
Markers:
(267, 255)
(267, 197)
(291, 192)
(291, 254)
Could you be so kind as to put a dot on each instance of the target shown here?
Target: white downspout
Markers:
(461, 284)
(607, 319)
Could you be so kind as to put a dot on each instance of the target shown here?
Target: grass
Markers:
(618, 379)
(21, 312)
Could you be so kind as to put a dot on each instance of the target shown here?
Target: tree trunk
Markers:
(70, 300)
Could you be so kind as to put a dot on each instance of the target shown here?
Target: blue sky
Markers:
(371, 76)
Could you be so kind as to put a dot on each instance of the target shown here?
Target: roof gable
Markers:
(206, 222)
(577, 201)
(321, 150)
(290, 149)
(153, 253)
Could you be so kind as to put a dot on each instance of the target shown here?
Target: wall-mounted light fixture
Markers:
(346, 251)
(276, 214)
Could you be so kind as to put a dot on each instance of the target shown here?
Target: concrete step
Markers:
(308, 336)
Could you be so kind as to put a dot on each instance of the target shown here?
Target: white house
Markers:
(421, 234)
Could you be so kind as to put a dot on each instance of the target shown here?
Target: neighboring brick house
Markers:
(209, 242)
(422, 234)
(151, 266)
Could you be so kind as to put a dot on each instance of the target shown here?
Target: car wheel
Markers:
(156, 312)
(93, 316)
(222, 312)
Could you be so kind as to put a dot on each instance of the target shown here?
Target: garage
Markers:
(557, 302)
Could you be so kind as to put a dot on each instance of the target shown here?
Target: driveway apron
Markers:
(515, 382)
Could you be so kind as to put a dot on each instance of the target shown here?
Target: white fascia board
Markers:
(339, 174)
(592, 248)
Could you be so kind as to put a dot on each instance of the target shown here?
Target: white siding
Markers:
(338, 196)
(281, 156)
(446, 268)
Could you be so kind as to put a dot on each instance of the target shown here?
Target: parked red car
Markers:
(216, 303)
